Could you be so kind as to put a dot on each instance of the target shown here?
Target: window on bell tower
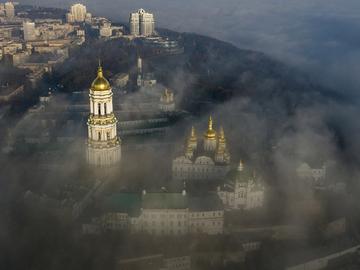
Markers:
(99, 136)
(105, 109)
(99, 109)
(108, 135)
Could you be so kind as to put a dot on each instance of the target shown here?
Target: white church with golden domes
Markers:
(104, 146)
(204, 159)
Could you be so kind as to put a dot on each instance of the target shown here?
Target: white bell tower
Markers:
(104, 146)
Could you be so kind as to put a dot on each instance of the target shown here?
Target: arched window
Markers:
(99, 109)
(99, 136)
(108, 135)
(105, 109)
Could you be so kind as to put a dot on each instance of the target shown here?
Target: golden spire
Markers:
(100, 72)
(210, 125)
(210, 133)
(193, 135)
(192, 140)
(241, 166)
(222, 135)
(189, 151)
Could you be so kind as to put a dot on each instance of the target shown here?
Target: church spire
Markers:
(192, 140)
(210, 124)
(100, 70)
(210, 134)
(241, 166)
(193, 135)
(222, 135)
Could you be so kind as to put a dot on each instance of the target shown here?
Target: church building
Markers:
(204, 159)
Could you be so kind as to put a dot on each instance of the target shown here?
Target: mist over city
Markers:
(178, 135)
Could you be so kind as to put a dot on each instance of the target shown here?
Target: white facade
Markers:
(115, 221)
(106, 30)
(243, 192)
(9, 10)
(209, 222)
(162, 222)
(169, 214)
(77, 13)
(104, 147)
(29, 31)
(142, 23)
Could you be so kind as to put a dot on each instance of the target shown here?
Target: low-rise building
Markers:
(163, 213)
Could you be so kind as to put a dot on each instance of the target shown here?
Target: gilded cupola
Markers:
(210, 134)
(100, 83)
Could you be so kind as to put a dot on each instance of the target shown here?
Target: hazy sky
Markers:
(320, 36)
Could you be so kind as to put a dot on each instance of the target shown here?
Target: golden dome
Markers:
(210, 133)
(100, 83)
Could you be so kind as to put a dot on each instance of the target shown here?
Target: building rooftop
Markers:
(123, 203)
(131, 203)
(209, 202)
(164, 200)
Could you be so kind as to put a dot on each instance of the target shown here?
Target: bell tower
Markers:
(104, 146)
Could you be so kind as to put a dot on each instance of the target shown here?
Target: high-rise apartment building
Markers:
(29, 30)
(142, 23)
(9, 10)
(77, 13)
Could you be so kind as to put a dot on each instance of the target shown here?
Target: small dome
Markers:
(100, 83)
(210, 133)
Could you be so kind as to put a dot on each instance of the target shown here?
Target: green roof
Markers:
(164, 200)
(123, 203)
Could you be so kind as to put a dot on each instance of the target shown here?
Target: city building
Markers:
(142, 23)
(205, 160)
(29, 31)
(105, 30)
(20, 57)
(243, 189)
(167, 101)
(104, 147)
(9, 10)
(78, 13)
